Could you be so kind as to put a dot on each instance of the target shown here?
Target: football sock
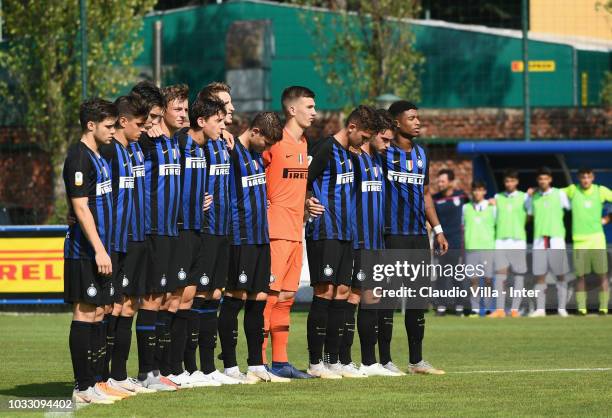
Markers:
(121, 351)
(97, 350)
(191, 345)
(316, 326)
(562, 294)
(604, 300)
(270, 302)
(500, 303)
(385, 333)
(111, 323)
(367, 326)
(228, 329)
(581, 298)
(519, 284)
(179, 340)
(207, 334)
(162, 328)
(254, 329)
(346, 343)
(414, 320)
(541, 296)
(475, 300)
(79, 342)
(335, 329)
(146, 340)
(279, 330)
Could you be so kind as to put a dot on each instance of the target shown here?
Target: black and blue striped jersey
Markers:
(136, 228)
(87, 174)
(406, 175)
(368, 207)
(162, 185)
(330, 177)
(193, 174)
(216, 219)
(248, 197)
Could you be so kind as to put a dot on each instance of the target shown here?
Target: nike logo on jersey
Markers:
(288, 155)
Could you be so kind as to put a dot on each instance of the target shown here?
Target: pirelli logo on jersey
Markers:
(138, 170)
(219, 169)
(371, 186)
(295, 173)
(169, 169)
(195, 162)
(126, 182)
(104, 187)
(344, 178)
(254, 180)
(410, 178)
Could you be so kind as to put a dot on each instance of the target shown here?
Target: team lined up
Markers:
(179, 214)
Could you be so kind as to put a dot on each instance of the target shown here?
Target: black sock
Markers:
(385, 333)
(179, 340)
(121, 351)
(367, 326)
(346, 342)
(335, 329)
(162, 326)
(316, 326)
(254, 329)
(146, 339)
(97, 352)
(414, 321)
(228, 329)
(111, 324)
(191, 345)
(166, 368)
(80, 353)
(207, 337)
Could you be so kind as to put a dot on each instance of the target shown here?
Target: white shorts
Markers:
(482, 257)
(553, 259)
(511, 253)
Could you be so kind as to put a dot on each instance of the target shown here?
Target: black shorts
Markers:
(330, 261)
(135, 269)
(361, 279)
(407, 242)
(216, 249)
(116, 289)
(159, 279)
(249, 268)
(82, 283)
(186, 265)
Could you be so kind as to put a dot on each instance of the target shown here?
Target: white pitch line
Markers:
(596, 369)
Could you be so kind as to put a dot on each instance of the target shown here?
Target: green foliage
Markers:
(42, 64)
(365, 49)
(606, 90)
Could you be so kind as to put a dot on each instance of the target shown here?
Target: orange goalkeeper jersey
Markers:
(286, 177)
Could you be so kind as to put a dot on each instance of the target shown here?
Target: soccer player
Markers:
(153, 99)
(449, 202)
(546, 206)
(203, 322)
(286, 177)
(368, 229)
(206, 120)
(87, 264)
(329, 240)
(408, 206)
(478, 219)
(162, 199)
(132, 114)
(249, 261)
(510, 242)
(590, 254)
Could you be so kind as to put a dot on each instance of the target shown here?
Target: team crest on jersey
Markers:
(78, 178)
(361, 276)
(328, 271)
(163, 281)
(420, 163)
(243, 278)
(182, 275)
(92, 291)
(409, 165)
(456, 201)
(204, 280)
(272, 278)
(125, 282)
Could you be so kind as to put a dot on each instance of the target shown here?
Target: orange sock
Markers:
(279, 330)
(270, 303)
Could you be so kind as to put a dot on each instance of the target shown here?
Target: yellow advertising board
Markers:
(31, 265)
(547, 66)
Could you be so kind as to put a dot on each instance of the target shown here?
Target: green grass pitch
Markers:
(524, 366)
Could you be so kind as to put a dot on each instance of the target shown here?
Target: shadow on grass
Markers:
(40, 390)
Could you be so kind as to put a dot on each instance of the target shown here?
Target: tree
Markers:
(364, 48)
(42, 65)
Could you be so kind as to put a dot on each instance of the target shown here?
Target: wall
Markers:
(571, 18)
